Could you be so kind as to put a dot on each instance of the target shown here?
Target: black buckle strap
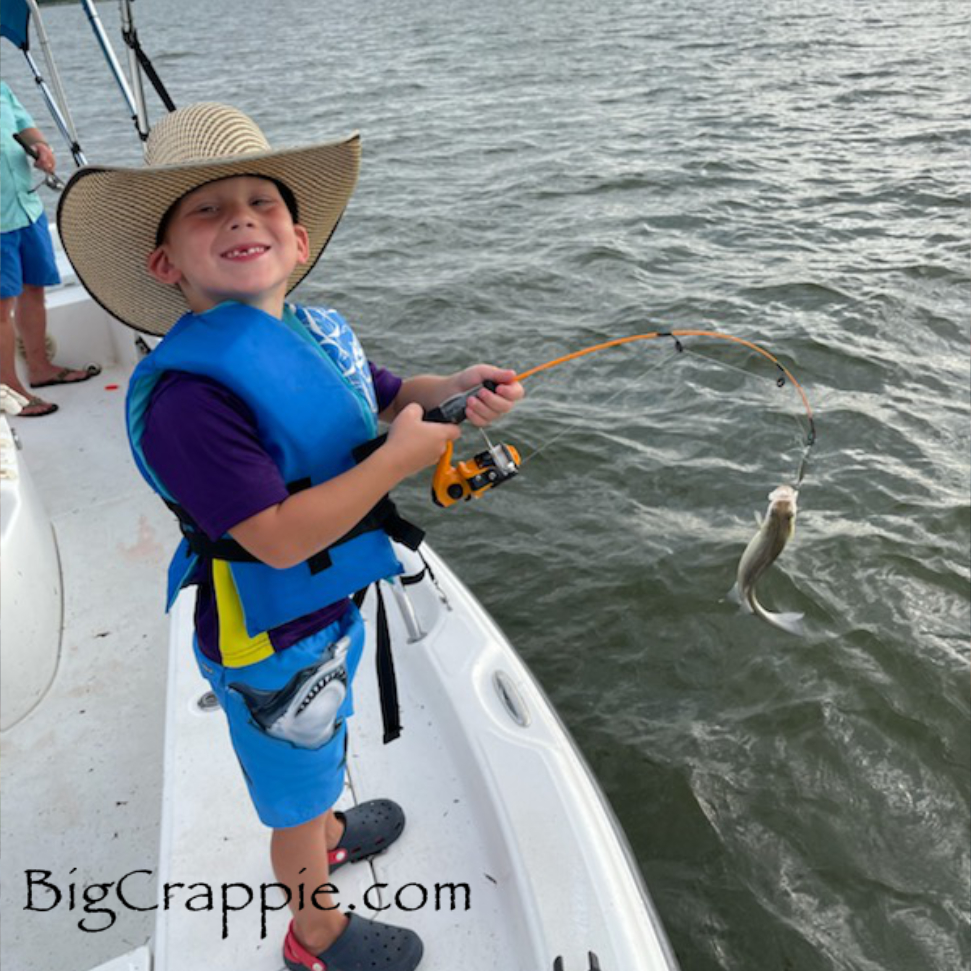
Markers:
(387, 682)
(362, 451)
(384, 665)
(383, 515)
(202, 545)
(426, 570)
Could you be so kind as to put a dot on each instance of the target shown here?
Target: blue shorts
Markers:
(27, 259)
(288, 720)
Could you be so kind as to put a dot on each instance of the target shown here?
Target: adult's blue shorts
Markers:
(288, 720)
(27, 259)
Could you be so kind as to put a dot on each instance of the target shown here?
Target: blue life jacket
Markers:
(307, 382)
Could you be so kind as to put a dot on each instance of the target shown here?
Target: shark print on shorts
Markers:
(304, 711)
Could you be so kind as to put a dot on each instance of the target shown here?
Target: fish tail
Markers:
(791, 623)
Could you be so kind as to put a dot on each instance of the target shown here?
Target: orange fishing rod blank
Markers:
(672, 333)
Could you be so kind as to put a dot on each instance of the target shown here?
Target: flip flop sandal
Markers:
(365, 945)
(62, 376)
(47, 408)
(369, 829)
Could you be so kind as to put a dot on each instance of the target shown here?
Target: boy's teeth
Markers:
(247, 251)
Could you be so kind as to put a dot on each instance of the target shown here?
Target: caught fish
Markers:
(762, 551)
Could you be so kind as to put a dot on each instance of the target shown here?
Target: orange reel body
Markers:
(469, 479)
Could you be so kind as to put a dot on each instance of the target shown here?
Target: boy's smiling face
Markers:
(234, 239)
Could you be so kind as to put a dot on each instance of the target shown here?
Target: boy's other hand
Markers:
(486, 406)
(414, 444)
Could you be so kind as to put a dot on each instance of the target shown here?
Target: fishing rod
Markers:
(15, 26)
(500, 463)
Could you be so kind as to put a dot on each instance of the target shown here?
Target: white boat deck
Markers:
(81, 786)
(500, 804)
(505, 809)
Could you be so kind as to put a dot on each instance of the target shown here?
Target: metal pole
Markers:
(109, 53)
(134, 69)
(56, 101)
(60, 121)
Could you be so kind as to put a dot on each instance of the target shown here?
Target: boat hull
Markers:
(31, 600)
(511, 857)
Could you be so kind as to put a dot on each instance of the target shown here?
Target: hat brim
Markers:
(108, 219)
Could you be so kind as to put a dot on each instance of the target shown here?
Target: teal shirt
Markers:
(19, 206)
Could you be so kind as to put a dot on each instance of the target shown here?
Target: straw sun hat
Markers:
(108, 217)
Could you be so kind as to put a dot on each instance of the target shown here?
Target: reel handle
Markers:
(452, 410)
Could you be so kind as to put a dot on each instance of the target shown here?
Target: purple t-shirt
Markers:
(201, 441)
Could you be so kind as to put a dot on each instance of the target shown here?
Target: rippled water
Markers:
(538, 177)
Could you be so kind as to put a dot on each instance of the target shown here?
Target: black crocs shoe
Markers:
(369, 829)
(365, 945)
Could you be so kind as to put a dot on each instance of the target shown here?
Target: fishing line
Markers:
(730, 367)
(811, 436)
(571, 427)
(784, 375)
(653, 335)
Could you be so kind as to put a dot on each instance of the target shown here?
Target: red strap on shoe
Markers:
(338, 855)
(293, 950)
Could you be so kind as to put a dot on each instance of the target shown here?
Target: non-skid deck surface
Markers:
(216, 839)
(81, 774)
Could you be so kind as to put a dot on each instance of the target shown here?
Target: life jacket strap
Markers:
(384, 665)
(384, 515)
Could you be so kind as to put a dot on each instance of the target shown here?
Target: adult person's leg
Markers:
(36, 268)
(8, 368)
(31, 321)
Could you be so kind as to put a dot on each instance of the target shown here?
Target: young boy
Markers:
(245, 419)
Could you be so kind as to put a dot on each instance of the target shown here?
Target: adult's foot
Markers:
(37, 408)
(53, 374)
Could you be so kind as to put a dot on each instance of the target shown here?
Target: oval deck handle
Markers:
(511, 699)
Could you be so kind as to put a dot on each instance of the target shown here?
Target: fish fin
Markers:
(735, 597)
(790, 623)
